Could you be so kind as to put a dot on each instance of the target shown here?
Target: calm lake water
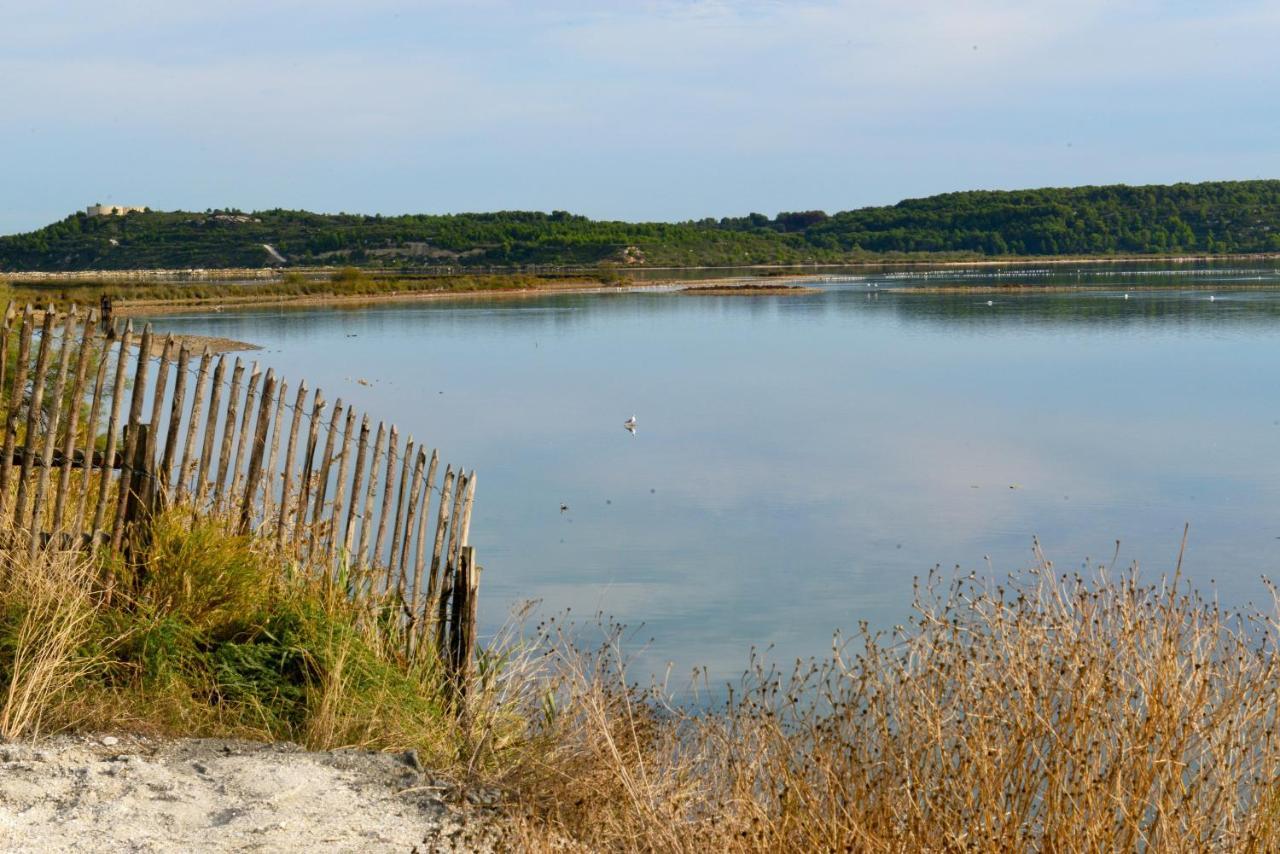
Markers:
(799, 459)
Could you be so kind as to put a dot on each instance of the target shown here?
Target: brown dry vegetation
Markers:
(347, 283)
(1055, 713)
(1051, 713)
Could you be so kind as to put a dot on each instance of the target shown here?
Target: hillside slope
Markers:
(1209, 218)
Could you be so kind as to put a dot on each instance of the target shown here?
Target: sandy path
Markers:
(135, 795)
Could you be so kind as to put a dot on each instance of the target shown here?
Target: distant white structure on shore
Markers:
(114, 210)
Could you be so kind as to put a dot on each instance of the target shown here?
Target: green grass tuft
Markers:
(210, 633)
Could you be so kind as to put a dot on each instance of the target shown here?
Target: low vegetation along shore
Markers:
(345, 285)
(1050, 712)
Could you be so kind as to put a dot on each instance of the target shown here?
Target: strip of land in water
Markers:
(739, 290)
(139, 293)
(142, 296)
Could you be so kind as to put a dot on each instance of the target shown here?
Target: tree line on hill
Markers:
(1205, 218)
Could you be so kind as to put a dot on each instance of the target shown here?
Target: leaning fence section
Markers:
(103, 430)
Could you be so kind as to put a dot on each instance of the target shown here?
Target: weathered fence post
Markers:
(393, 558)
(388, 489)
(460, 654)
(73, 424)
(301, 529)
(222, 470)
(337, 533)
(139, 507)
(243, 438)
(51, 423)
(152, 490)
(316, 536)
(16, 396)
(290, 452)
(113, 426)
(33, 419)
(91, 434)
(4, 342)
(256, 452)
(362, 448)
(449, 573)
(188, 464)
(436, 606)
(164, 475)
(135, 434)
(201, 489)
(420, 560)
(275, 426)
(366, 518)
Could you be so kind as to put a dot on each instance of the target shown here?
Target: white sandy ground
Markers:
(109, 794)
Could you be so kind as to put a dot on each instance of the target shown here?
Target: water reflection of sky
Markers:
(799, 459)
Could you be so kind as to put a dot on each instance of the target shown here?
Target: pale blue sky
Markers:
(670, 109)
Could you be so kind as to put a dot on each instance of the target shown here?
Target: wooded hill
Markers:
(1209, 218)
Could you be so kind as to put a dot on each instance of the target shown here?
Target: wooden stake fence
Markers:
(211, 443)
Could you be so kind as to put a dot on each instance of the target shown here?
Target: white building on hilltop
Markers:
(114, 210)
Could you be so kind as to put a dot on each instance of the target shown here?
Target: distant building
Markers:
(114, 210)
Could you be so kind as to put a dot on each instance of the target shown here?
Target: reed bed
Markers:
(1049, 713)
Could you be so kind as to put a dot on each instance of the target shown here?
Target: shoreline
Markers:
(747, 290)
(133, 308)
(197, 343)
(266, 274)
(1219, 287)
(728, 286)
(136, 308)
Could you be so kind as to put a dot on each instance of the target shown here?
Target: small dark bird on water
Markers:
(564, 508)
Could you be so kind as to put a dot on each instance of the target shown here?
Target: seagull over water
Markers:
(630, 424)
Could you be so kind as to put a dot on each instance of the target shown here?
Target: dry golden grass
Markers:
(1054, 713)
(48, 613)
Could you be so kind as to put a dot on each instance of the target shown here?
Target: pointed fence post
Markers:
(133, 435)
(16, 395)
(256, 452)
(34, 411)
(462, 636)
(52, 422)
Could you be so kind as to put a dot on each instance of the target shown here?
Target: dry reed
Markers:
(1054, 712)
(47, 614)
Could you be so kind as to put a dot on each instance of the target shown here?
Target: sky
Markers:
(627, 109)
